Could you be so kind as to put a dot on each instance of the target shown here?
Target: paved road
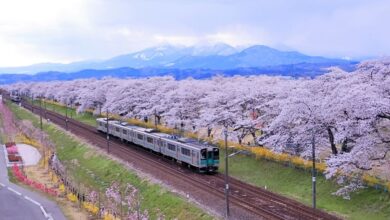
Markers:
(28, 205)
(15, 207)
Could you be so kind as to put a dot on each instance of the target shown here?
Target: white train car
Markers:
(183, 150)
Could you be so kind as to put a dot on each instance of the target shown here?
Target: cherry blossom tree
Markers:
(348, 112)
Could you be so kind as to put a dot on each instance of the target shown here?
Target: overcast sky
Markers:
(33, 31)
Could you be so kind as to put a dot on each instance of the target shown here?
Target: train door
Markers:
(130, 136)
(203, 158)
(159, 145)
(193, 159)
(209, 157)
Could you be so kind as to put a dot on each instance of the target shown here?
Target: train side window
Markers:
(140, 136)
(185, 151)
(171, 147)
(124, 131)
(105, 125)
(149, 139)
(117, 129)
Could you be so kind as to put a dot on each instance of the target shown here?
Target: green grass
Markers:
(106, 171)
(295, 183)
(85, 117)
(11, 176)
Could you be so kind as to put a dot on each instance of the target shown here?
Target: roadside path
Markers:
(18, 203)
(23, 201)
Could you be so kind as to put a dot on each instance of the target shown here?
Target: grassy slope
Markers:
(86, 117)
(294, 183)
(105, 171)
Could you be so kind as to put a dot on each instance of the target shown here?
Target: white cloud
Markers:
(172, 39)
(70, 30)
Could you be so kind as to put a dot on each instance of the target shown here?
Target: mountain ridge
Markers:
(216, 56)
(295, 70)
(181, 62)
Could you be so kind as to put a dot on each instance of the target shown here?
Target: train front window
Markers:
(203, 154)
(216, 153)
(209, 154)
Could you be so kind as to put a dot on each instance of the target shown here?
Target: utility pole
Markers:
(226, 175)
(155, 119)
(40, 112)
(314, 172)
(32, 102)
(108, 135)
(45, 109)
(71, 107)
(66, 114)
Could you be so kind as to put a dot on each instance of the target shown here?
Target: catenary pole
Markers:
(314, 173)
(226, 176)
(108, 135)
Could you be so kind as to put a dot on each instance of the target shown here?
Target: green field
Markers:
(85, 117)
(296, 183)
(93, 170)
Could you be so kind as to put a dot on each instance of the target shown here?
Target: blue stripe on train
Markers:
(209, 162)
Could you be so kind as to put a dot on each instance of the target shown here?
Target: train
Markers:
(189, 152)
(15, 96)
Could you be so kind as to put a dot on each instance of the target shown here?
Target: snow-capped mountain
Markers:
(220, 49)
(207, 56)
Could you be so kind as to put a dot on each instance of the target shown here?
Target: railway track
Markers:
(261, 203)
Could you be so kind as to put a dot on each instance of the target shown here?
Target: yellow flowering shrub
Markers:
(71, 197)
(108, 216)
(321, 167)
(298, 161)
(388, 186)
(370, 180)
(284, 157)
(54, 178)
(54, 103)
(61, 188)
(90, 207)
(90, 110)
(21, 138)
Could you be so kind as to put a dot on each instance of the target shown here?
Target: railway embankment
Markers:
(368, 203)
(91, 171)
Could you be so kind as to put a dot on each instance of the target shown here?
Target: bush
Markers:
(9, 144)
(14, 158)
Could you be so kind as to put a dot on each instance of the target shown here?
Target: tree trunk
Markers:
(158, 119)
(384, 115)
(344, 146)
(331, 140)
(208, 132)
(254, 137)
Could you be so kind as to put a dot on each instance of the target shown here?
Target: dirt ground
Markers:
(71, 210)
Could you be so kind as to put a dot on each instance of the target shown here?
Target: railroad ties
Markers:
(257, 201)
